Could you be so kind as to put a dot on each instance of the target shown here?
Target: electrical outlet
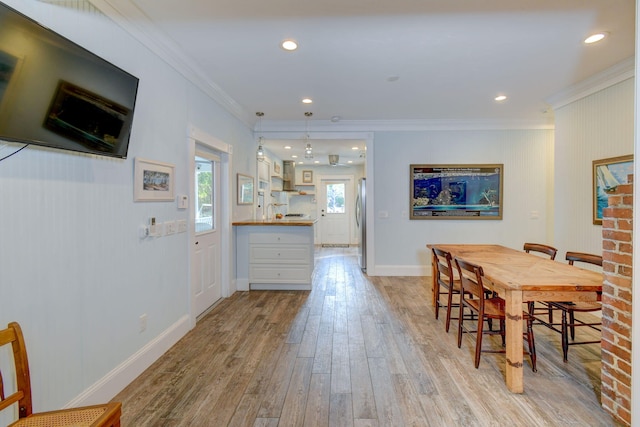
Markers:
(182, 226)
(143, 322)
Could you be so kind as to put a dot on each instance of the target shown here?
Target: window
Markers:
(336, 198)
(204, 195)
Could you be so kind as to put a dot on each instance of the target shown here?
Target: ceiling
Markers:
(364, 61)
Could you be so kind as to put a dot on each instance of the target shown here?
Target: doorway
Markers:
(335, 203)
(209, 242)
(206, 262)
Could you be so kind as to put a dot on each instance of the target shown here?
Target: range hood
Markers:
(288, 175)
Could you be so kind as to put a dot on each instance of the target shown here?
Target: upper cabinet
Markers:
(263, 171)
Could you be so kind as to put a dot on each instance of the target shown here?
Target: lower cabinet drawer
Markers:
(281, 254)
(279, 274)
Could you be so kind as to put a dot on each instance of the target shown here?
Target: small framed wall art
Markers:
(153, 181)
(245, 189)
(307, 177)
(607, 175)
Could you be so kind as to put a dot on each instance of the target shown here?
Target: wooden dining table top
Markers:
(517, 270)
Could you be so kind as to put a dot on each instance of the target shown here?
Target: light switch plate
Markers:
(183, 201)
(169, 228)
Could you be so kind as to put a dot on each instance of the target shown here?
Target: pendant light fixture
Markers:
(308, 150)
(260, 152)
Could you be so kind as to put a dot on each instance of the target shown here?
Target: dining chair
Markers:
(445, 279)
(543, 306)
(106, 415)
(569, 320)
(474, 298)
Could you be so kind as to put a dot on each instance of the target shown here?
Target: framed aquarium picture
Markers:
(607, 175)
(456, 191)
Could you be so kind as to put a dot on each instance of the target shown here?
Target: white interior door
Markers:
(336, 210)
(206, 259)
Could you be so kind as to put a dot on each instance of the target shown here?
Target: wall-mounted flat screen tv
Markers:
(57, 94)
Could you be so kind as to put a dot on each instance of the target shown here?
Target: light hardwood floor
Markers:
(354, 351)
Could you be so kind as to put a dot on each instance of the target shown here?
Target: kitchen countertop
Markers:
(294, 222)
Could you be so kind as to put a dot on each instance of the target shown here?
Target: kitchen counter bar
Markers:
(274, 254)
(297, 222)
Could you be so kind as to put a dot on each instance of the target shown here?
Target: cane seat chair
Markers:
(474, 298)
(543, 307)
(107, 415)
(445, 279)
(569, 320)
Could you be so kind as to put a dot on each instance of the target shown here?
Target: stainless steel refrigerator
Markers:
(361, 222)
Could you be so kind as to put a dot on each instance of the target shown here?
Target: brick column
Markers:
(617, 231)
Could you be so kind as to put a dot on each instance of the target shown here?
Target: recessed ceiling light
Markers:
(595, 38)
(500, 98)
(289, 44)
(307, 100)
(349, 161)
(287, 147)
(316, 161)
(354, 148)
(294, 156)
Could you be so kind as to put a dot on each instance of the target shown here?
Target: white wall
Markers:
(596, 127)
(528, 172)
(73, 271)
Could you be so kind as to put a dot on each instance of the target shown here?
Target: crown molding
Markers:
(620, 72)
(405, 125)
(131, 19)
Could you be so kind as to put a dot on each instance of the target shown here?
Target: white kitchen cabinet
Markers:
(276, 257)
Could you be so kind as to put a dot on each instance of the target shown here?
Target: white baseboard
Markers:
(403, 270)
(115, 381)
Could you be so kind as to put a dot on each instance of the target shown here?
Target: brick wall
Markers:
(617, 229)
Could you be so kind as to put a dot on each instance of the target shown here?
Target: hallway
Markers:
(354, 351)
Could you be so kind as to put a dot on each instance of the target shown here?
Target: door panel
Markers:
(335, 211)
(206, 278)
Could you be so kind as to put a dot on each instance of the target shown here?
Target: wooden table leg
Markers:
(513, 330)
(434, 279)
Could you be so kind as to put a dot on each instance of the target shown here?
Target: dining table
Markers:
(519, 277)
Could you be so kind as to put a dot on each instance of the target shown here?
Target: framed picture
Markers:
(245, 189)
(153, 181)
(307, 177)
(276, 168)
(607, 175)
(456, 191)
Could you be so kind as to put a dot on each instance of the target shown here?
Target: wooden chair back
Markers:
(543, 249)
(12, 335)
(444, 268)
(471, 279)
(572, 257)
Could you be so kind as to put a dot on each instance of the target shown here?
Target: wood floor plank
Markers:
(340, 412)
(317, 409)
(309, 340)
(340, 369)
(362, 396)
(276, 392)
(294, 407)
(354, 351)
(387, 407)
